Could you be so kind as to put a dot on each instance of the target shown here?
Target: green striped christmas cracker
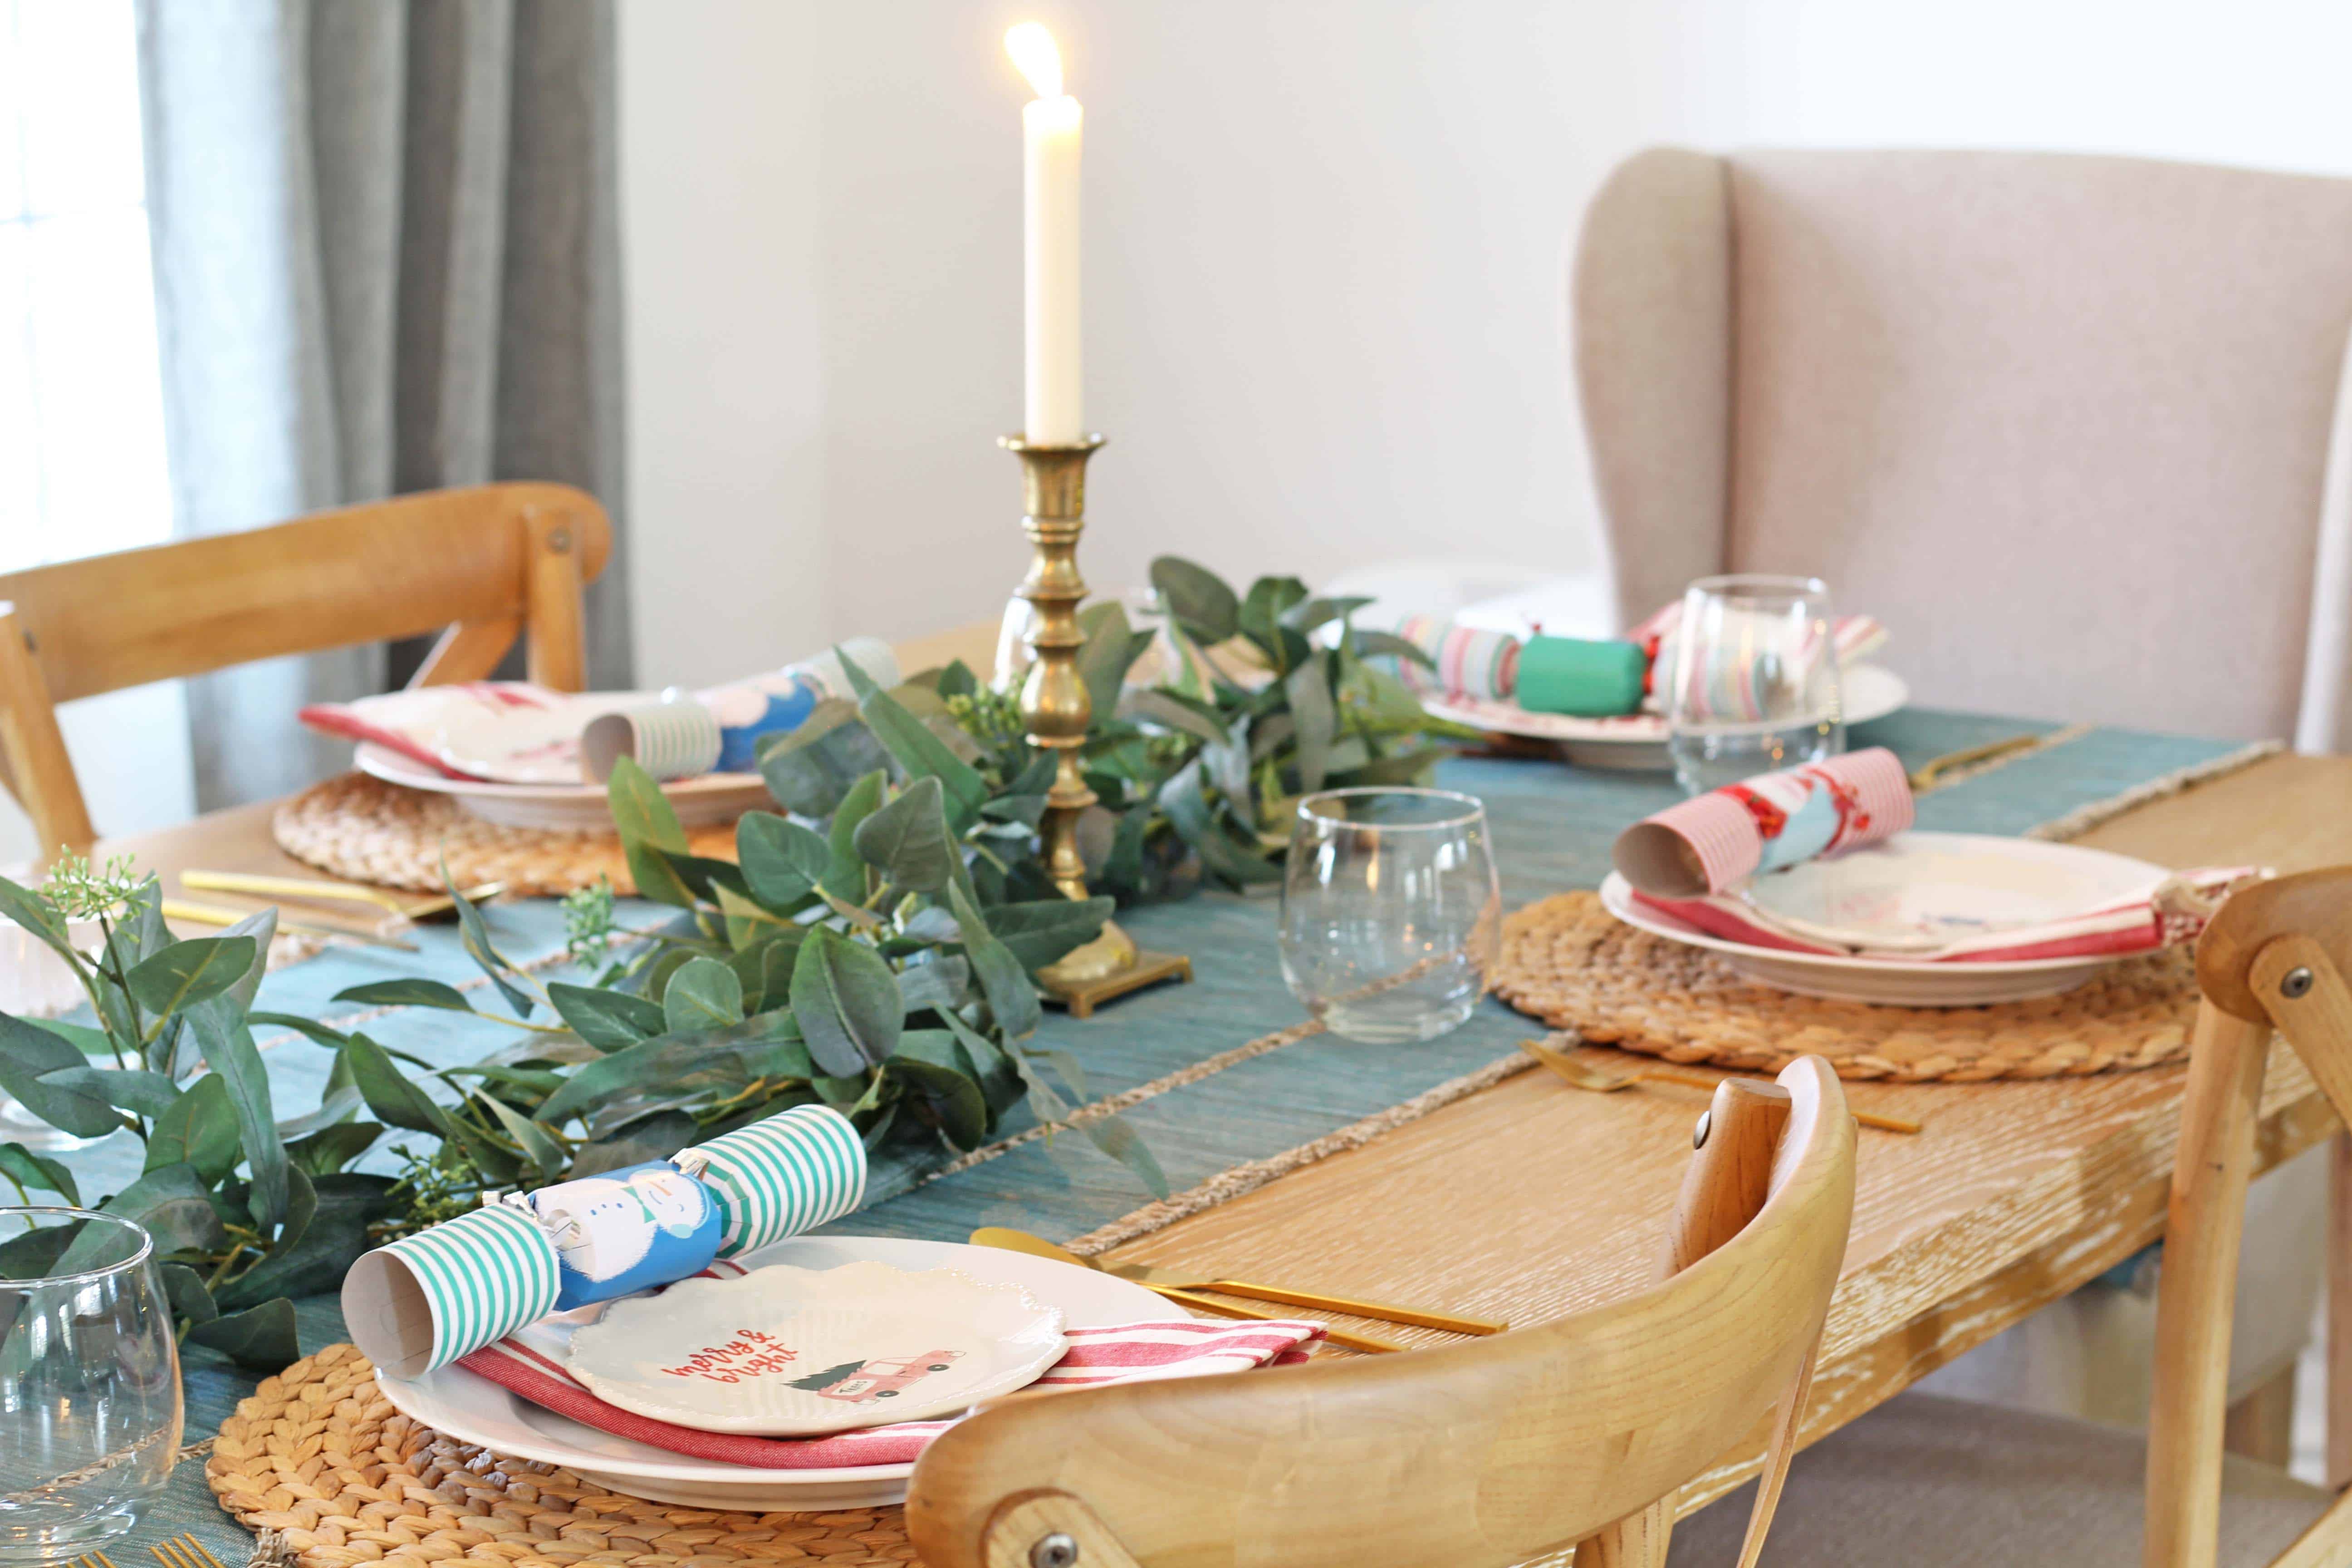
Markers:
(781, 1177)
(421, 1302)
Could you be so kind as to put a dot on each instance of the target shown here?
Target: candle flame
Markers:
(1032, 49)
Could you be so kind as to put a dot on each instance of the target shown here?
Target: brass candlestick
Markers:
(1057, 710)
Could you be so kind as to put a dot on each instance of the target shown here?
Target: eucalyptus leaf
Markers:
(338, 1207)
(338, 1101)
(782, 861)
(200, 1130)
(657, 1138)
(27, 1052)
(141, 1092)
(846, 1001)
(1173, 710)
(41, 917)
(1309, 690)
(407, 992)
(645, 821)
(703, 994)
(318, 1034)
(1115, 1138)
(219, 1027)
(392, 1096)
(811, 769)
(541, 1147)
(957, 1107)
(1387, 644)
(81, 1036)
(187, 972)
(332, 1148)
(753, 1047)
(1309, 615)
(909, 838)
(1199, 599)
(38, 1172)
(917, 750)
(608, 1020)
(474, 936)
(184, 1288)
(261, 1337)
(1040, 932)
(172, 1201)
(845, 875)
(1011, 996)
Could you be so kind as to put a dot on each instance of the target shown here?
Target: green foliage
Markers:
(239, 1221)
(1207, 767)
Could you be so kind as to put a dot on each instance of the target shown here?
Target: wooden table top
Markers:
(1532, 1199)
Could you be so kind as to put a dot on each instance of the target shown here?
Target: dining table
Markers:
(1446, 1173)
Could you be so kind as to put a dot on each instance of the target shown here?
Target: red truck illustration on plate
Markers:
(864, 1382)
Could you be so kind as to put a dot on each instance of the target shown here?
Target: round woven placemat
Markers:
(1573, 963)
(319, 1454)
(366, 830)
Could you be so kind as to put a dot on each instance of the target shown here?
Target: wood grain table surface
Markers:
(1532, 1199)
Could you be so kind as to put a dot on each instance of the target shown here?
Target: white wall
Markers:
(1324, 241)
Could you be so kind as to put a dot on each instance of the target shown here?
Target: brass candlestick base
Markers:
(1055, 705)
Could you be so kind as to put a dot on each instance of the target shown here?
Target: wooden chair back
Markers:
(2274, 957)
(478, 565)
(1474, 1455)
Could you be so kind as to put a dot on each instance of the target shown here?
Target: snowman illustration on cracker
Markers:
(627, 1230)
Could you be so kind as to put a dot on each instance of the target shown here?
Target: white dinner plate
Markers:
(713, 797)
(475, 1410)
(1637, 742)
(799, 1352)
(1887, 982)
(1924, 890)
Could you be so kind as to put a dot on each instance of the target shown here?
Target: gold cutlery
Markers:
(1599, 1082)
(1184, 1286)
(383, 899)
(96, 1559)
(182, 1550)
(221, 915)
(1930, 773)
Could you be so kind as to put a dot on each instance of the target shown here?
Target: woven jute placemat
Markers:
(1573, 963)
(366, 830)
(319, 1455)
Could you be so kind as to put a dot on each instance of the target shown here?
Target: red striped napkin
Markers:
(2173, 912)
(531, 1364)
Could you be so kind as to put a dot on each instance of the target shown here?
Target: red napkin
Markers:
(1129, 1352)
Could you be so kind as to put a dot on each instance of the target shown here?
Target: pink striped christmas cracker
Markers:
(1719, 839)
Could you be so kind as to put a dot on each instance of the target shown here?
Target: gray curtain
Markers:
(387, 258)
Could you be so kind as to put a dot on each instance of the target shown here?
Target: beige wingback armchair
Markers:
(2072, 426)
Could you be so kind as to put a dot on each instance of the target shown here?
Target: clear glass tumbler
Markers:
(1391, 916)
(89, 1380)
(1752, 686)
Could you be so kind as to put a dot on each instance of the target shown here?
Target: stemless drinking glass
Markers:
(1390, 912)
(89, 1380)
(1754, 679)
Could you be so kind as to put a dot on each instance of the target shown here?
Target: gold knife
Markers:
(1011, 1240)
(1157, 1275)
(411, 908)
(217, 915)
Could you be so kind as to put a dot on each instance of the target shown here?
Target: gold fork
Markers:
(1599, 1082)
(183, 1551)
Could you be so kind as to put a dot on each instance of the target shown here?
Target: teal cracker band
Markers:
(783, 1175)
(484, 1275)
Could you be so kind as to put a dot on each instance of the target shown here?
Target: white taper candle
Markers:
(1052, 131)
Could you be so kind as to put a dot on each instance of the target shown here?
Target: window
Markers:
(81, 411)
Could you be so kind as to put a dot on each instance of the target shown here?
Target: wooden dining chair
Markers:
(1472, 1456)
(480, 565)
(1928, 1482)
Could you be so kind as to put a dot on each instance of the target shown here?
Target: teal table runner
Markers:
(1552, 830)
